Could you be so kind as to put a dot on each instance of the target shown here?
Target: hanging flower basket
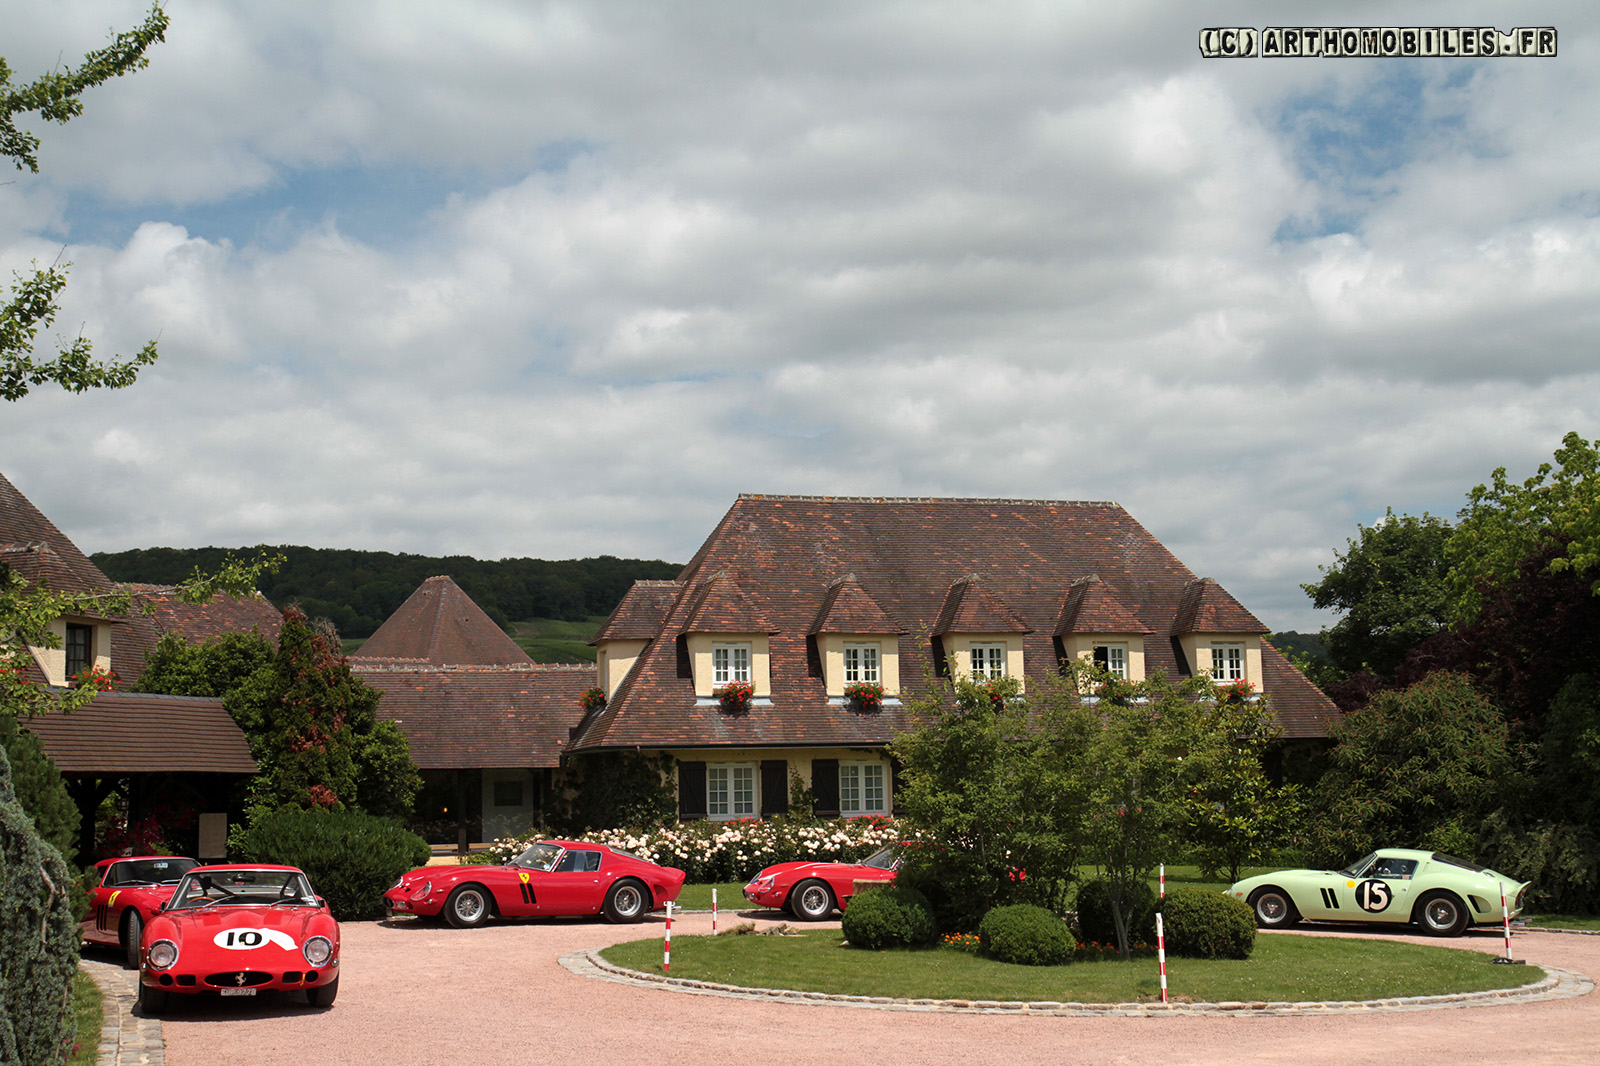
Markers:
(592, 699)
(1235, 691)
(95, 677)
(1116, 690)
(866, 695)
(735, 697)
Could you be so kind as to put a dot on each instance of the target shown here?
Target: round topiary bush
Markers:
(893, 916)
(350, 857)
(1025, 934)
(1095, 923)
(1208, 925)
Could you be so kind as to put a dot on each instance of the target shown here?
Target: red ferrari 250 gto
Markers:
(127, 894)
(552, 877)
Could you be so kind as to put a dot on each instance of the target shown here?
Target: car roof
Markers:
(1406, 853)
(245, 866)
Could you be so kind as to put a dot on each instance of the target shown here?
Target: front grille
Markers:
(237, 979)
(292, 977)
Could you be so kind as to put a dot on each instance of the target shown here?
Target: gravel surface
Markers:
(415, 993)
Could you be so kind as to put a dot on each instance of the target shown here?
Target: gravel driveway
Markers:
(415, 993)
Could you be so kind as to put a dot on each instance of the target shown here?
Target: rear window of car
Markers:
(149, 871)
(1451, 860)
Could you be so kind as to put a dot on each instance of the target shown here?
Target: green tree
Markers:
(1504, 523)
(1391, 584)
(1418, 767)
(39, 787)
(314, 730)
(1234, 815)
(213, 669)
(35, 298)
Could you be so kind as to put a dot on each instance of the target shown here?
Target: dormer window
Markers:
(79, 648)
(861, 664)
(988, 661)
(1113, 659)
(1227, 661)
(729, 662)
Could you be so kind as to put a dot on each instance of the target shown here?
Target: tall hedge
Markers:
(38, 938)
(351, 858)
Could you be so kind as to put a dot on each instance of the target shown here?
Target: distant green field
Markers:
(551, 640)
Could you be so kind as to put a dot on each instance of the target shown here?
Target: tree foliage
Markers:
(1391, 584)
(35, 298)
(40, 788)
(1418, 768)
(1234, 816)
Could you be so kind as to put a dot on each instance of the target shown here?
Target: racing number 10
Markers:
(1373, 896)
(251, 938)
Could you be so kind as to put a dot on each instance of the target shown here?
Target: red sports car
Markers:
(127, 894)
(811, 890)
(553, 877)
(238, 930)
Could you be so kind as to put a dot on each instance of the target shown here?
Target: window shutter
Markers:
(691, 790)
(825, 786)
(774, 787)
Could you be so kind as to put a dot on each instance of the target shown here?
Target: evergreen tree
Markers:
(39, 787)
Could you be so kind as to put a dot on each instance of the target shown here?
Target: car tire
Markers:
(152, 1001)
(468, 906)
(132, 934)
(323, 995)
(1441, 914)
(812, 901)
(626, 901)
(1274, 909)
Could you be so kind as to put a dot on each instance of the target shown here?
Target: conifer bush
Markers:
(36, 889)
(351, 858)
(891, 916)
(1027, 935)
(1208, 925)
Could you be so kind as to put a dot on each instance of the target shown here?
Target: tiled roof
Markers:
(970, 608)
(31, 545)
(849, 608)
(1208, 608)
(440, 624)
(789, 551)
(639, 615)
(722, 604)
(479, 716)
(198, 623)
(137, 733)
(1091, 607)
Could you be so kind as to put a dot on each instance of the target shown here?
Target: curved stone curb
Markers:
(126, 1039)
(1557, 984)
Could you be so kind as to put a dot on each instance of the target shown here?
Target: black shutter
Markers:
(691, 790)
(825, 786)
(774, 787)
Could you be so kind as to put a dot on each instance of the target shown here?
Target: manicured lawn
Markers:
(1562, 921)
(1283, 968)
(89, 1015)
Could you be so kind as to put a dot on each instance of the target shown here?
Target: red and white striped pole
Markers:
(713, 912)
(1505, 914)
(666, 943)
(1163, 880)
(1161, 953)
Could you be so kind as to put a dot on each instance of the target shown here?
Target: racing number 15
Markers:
(1373, 896)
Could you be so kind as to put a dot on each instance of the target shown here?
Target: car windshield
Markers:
(539, 857)
(148, 871)
(238, 886)
(883, 859)
(1357, 868)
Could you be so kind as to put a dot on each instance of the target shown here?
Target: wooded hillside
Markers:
(359, 589)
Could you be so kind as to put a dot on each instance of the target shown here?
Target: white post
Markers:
(1161, 953)
(666, 943)
(713, 912)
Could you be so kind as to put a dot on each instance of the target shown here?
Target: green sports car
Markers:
(1441, 893)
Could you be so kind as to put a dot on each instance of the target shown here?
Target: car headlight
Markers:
(162, 954)
(318, 950)
(424, 892)
(398, 882)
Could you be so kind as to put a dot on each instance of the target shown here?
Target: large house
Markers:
(151, 749)
(801, 596)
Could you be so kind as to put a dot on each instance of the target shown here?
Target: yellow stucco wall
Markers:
(700, 661)
(1081, 646)
(53, 661)
(959, 647)
(1197, 649)
(613, 660)
(799, 760)
(832, 650)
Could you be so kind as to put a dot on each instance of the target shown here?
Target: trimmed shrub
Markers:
(1208, 925)
(351, 858)
(891, 916)
(36, 890)
(1026, 935)
(1095, 923)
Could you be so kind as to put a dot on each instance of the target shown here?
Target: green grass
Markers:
(552, 640)
(89, 1015)
(1282, 968)
(1562, 921)
(730, 896)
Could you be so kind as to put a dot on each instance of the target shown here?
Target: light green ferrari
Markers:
(1441, 893)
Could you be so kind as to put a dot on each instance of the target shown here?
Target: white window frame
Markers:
(863, 788)
(1227, 661)
(726, 664)
(864, 663)
(730, 791)
(1116, 659)
(992, 658)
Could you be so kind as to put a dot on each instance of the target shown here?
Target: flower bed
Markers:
(715, 852)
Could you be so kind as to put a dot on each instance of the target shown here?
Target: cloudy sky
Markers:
(557, 279)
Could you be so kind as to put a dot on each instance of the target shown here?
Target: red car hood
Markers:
(203, 932)
(801, 869)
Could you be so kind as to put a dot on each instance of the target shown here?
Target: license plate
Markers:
(237, 991)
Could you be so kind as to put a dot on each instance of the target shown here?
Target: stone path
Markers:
(126, 1038)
